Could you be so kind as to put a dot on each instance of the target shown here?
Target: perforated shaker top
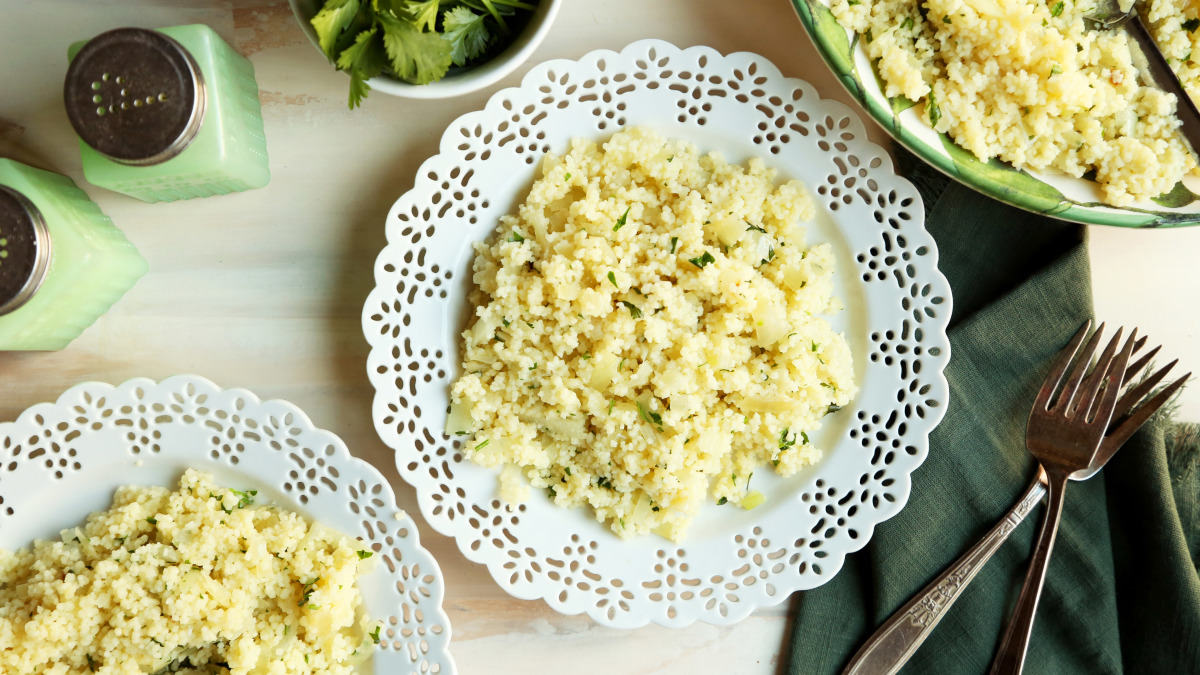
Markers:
(135, 95)
(24, 250)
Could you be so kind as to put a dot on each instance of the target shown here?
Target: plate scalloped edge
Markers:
(425, 267)
(146, 431)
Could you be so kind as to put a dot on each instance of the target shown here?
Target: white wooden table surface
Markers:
(263, 290)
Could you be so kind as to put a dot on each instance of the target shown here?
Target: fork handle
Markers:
(896, 640)
(1010, 657)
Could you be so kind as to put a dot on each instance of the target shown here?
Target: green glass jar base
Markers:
(92, 264)
(228, 153)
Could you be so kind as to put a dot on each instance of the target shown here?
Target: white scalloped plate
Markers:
(733, 560)
(61, 461)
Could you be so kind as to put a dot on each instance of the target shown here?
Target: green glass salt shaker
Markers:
(62, 263)
(166, 114)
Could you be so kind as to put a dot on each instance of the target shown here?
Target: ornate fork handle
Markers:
(896, 640)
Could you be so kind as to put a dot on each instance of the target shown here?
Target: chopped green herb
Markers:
(91, 663)
(755, 228)
(551, 492)
(568, 469)
(935, 113)
(611, 403)
(568, 176)
(483, 444)
(1055, 70)
(703, 260)
(604, 482)
(152, 520)
(363, 555)
(784, 441)
(674, 243)
(612, 279)
(1057, 9)
(946, 19)
(245, 498)
(586, 356)
(652, 418)
(375, 635)
(908, 23)
(535, 365)
(634, 311)
(516, 236)
(815, 346)
(621, 220)
(307, 592)
(722, 501)
(805, 437)
(505, 320)
(1191, 25)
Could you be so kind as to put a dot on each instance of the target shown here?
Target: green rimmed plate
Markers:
(1056, 194)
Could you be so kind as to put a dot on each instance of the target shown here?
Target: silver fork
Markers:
(904, 631)
(1064, 433)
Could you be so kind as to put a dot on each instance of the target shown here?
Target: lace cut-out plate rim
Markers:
(96, 437)
(738, 103)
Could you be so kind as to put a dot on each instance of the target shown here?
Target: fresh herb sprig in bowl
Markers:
(424, 48)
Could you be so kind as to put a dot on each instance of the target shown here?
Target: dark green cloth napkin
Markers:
(1122, 593)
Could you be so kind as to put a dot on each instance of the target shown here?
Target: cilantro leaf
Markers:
(703, 260)
(363, 61)
(334, 18)
(424, 14)
(467, 34)
(416, 57)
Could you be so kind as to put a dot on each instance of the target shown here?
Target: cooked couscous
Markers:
(1032, 84)
(195, 580)
(648, 330)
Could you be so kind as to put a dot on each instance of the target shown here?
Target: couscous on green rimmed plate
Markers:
(1023, 101)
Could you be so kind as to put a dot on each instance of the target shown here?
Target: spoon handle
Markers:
(895, 641)
(1010, 658)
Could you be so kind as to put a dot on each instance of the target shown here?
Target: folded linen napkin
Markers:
(1122, 593)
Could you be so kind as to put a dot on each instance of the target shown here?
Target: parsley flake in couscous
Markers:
(1034, 85)
(648, 329)
(199, 580)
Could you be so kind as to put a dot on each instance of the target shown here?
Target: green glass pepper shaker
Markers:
(62, 263)
(166, 114)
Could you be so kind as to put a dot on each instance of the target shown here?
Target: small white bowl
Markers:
(457, 81)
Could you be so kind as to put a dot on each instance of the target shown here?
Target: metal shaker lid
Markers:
(24, 249)
(135, 96)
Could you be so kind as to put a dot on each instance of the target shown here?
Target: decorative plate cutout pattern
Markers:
(98, 437)
(898, 305)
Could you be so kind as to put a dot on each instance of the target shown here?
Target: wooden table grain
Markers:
(264, 290)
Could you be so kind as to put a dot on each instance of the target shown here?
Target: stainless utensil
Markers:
(1115, 14)
(900, 636)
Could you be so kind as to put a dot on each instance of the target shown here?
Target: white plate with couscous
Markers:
(225, 534)
(658, 336)
(1025, 101)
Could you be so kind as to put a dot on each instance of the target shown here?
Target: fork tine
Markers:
(1060, 367)
(1141, 363)
(1125, 429)
(1136, 394)
(1068, 402)
(1099, 405)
